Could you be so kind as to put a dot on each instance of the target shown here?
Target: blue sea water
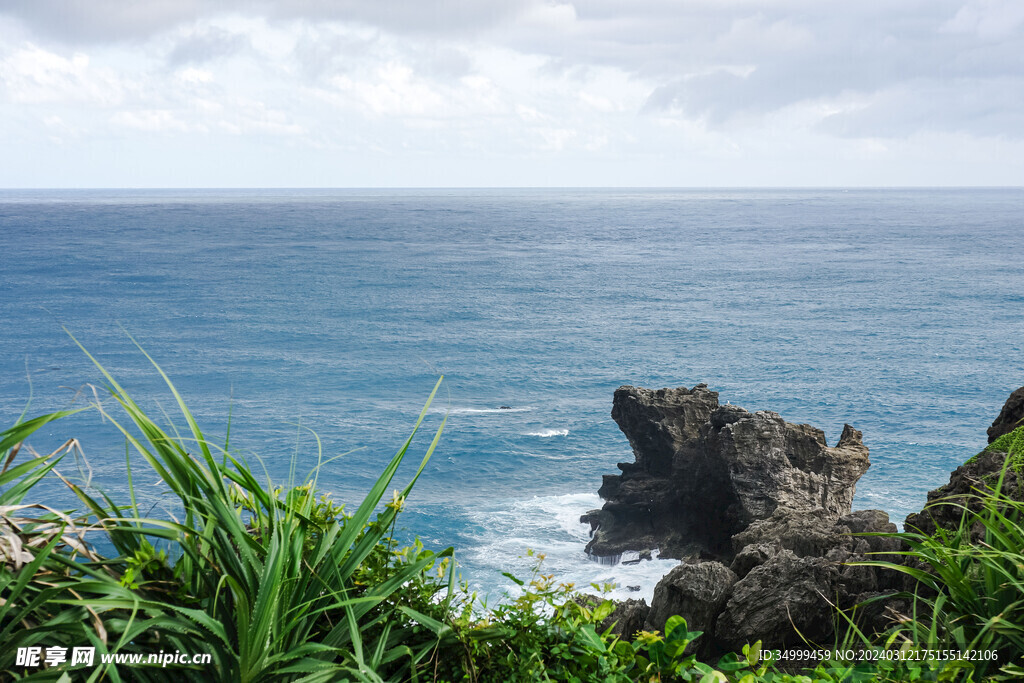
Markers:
(898, 311)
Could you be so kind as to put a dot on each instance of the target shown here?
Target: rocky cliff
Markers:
(1010, 417)
(704, 472)
(758, 509)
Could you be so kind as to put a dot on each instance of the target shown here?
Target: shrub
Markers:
(271, 583)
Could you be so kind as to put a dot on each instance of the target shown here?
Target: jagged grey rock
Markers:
(628, 618)
(704, 472)
(697, 592)
(809, 533)
(752, 556)
(772, 501)
(1010, 417)
(806, 533)
(757, 508)
(644, 507)
(785, 594)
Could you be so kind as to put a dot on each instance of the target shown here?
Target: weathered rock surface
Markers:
(704, 472)
(794, 566)
(697, 592)
(807, 534)
(1010, 417)
(628, 618)
(784, 593)
(757, 508)
(644, 507)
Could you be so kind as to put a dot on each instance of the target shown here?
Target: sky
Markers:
(511, 93)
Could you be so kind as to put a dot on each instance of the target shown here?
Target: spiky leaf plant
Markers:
(271, 584)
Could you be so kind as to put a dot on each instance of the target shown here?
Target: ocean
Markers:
(900, 312)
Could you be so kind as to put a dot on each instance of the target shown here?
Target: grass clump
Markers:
(969, 579)
(1011, 443)
(273, 584)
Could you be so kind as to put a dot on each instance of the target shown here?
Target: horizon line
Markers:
(511, 187)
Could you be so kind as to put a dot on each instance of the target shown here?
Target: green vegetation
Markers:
(970, 580)
(1011, 443)
(282, 584)
(969, 595)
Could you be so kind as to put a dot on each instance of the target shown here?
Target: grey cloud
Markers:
(95, 21)
(447, 62)
(988, 108)
(433, 17)
(207, 45)
(915, 73)
(322, 53)
(721, 60)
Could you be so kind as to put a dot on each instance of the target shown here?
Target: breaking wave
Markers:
(545, 433)
(484, 411)
(550, 526)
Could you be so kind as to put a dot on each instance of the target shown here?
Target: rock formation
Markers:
(704, 472)
(1010, 417)
(697, 591)
(757, 508)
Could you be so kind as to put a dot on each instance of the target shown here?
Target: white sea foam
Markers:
(544, 433)
(483, 411)
(550, 526)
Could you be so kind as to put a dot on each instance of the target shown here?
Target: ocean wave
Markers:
(550, 526)
(544, 433)
(484, 411)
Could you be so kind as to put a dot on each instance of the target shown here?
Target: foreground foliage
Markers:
(969, 593)
(283, 584)
(271, 584)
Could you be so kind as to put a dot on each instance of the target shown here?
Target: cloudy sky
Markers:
(414, 93)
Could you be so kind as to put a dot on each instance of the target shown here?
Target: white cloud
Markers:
(32, 75)
(152, 121)
(193, 76)
(597, 102)
(549, 16)
(987, 18)
(689, 88)
(555, 139)
(393, 90)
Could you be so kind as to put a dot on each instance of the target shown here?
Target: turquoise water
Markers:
(898, 311)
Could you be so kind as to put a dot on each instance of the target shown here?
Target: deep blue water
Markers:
(898, 311)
